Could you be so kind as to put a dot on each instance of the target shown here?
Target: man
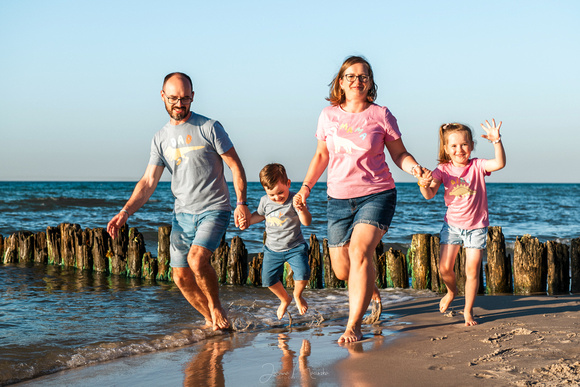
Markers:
(192, 148)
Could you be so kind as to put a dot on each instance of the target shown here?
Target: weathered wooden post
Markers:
(53, 245)
(100, 250)
(118, 259)
(557, 258)
(135, 251)
(315, 262)
(419, 261)
(255, 270)
(25, 246)
(68, 234)
(237, 262)
(459, 270)
(40, 248)
(163, 257)
(11, 249)
(219, 261)
(1, 248)
(330, 280)
(397, 275)
(498, 269)
(575, 265)
(379, 259)
(288, 276)
(84, 249)
(437, 284)
(529, 266)
(149, 268)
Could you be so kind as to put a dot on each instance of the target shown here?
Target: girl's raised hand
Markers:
(491, 130)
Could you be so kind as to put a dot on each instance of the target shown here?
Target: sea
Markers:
(54, 318)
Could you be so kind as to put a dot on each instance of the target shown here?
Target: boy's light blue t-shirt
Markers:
(191, 152)
(283, 230)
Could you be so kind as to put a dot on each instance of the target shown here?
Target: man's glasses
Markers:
(174, 100)
(352, 78)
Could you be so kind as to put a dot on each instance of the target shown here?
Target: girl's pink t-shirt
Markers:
(465, 194)
(356, 146)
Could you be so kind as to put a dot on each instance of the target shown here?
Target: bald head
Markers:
(184, 77)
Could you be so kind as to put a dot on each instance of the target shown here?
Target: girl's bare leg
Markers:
(473, 259)
(446, 266)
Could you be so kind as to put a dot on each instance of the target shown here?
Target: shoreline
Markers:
(520, 340)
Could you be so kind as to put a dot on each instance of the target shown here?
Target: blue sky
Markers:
(81, 79)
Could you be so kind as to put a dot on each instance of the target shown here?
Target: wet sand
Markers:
(520, 341)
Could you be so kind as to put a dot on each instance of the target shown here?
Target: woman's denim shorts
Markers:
(471, 239)
(343, 214)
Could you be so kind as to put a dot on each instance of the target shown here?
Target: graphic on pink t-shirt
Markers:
(460, 188)
(344, 143)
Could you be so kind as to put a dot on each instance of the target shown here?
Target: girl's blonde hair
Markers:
(336, 96)
(444, 131)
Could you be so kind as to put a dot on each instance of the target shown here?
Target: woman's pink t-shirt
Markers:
(356, 146)
(465, 194)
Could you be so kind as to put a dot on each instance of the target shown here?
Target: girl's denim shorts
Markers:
(470, 239)
(343, 214)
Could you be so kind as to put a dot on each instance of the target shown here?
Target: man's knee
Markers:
(199, 259)
(182, 277)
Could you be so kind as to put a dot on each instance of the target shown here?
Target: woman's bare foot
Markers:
(469, 321)
(283, 307)
(208, 324)
(301, 304)
(376, 294)
(220, 319)
(445, 301)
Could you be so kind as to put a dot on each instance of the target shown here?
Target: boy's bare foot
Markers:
(301, 304)
(220, 319)
(445, 301)
(469, 321)
(283, 307)
(351, 335)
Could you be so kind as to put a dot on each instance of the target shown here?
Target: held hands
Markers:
(492, 131)
(242, 217)
(425, 179)
(299, 203)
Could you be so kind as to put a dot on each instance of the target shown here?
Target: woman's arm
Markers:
(317, 166)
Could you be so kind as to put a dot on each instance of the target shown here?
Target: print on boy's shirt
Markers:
(346, 144)
(178, 154)
(274, 220)
(461, 189)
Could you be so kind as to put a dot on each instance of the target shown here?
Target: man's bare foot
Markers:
(445, 301)
(283, 307)
(301, 304)
(220, 319)
(469, 321)
(350, 335)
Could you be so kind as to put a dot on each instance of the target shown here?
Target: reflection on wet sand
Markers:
(206, 368)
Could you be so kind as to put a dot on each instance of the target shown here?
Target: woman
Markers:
(352, 134)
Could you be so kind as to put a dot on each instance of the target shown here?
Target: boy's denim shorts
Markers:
(205, 230)
(343, 214)
(273, 265)
(471, 239)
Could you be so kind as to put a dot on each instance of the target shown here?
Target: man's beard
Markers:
(177, 116)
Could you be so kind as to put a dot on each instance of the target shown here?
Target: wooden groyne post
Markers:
(529, 266)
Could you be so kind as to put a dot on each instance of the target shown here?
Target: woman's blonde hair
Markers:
(336, 96)
(444, 131)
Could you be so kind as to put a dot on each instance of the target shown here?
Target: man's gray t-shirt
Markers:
(282, 224)
(191, 152)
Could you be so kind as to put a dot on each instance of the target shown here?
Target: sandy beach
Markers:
(520, 341)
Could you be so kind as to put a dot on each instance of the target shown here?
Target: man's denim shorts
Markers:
(273, 265)
(343, 214)
(205, 230)
(471, 239)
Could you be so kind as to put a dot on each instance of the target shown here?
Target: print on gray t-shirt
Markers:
(191, 152)
(283, 230)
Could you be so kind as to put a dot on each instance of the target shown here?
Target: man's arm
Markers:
(242, 214)
(142, 192)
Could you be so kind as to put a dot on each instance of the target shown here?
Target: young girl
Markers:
(466, 220)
